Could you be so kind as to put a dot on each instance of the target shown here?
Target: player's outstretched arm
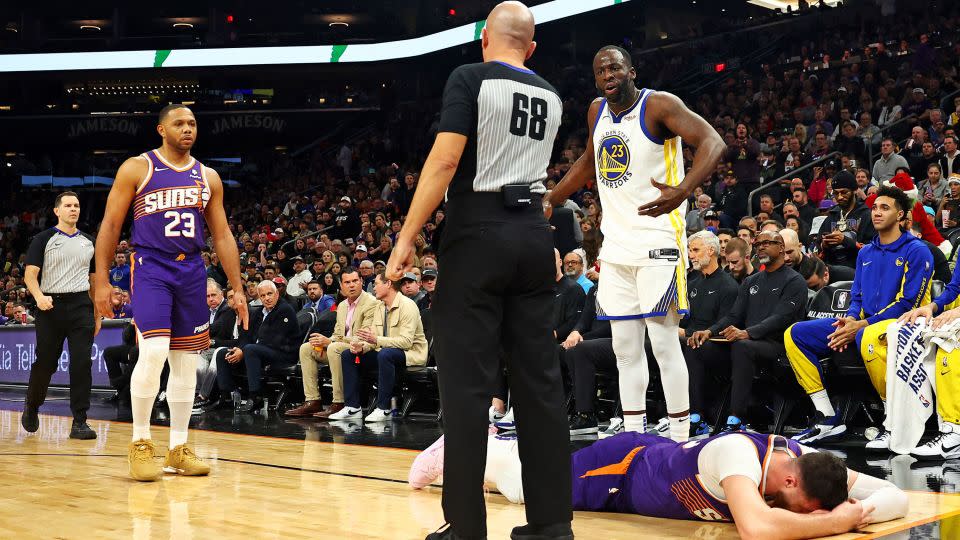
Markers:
(757, 521)
(887, 500)
(224, 243)
(669, 112)
(582, 170)
(129, 176)
(436, 176)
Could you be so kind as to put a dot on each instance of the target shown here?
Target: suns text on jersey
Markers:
(165, 199)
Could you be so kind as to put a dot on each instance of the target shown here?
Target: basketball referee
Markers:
(59, 275)
(497, 128)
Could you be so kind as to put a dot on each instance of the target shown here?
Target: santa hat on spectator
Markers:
(903, 181)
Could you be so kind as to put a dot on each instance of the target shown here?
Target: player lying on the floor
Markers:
(771, 487)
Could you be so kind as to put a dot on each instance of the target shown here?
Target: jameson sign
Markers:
(248, 121)
(123, 126)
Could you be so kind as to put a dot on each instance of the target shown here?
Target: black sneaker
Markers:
(555, 531)
(730, 428)
(29, 419)
(80, 430)
(699, 429)
(446, 533)
(249, 405)
(583, 423)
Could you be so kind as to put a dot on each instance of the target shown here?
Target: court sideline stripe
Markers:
(207, 430)
(228, 460)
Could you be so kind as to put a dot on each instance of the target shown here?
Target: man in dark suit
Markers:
(223, 336)
(273, 340)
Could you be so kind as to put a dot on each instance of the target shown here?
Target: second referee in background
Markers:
(59, 275)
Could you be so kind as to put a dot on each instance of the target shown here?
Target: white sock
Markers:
(145, 382)
(822, 402)
(680, 428)
(635, 422)
(141, 426)
(181, 386)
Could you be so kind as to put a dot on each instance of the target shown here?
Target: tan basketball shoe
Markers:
(142, 460)
(183, 461)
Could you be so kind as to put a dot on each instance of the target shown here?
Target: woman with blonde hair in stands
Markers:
(328, 259)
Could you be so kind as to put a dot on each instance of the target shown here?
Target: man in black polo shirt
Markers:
(767, 303)
(59, 275)
(712, 293)
(489, 161)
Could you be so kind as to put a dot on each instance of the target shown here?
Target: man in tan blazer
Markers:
(357, 311)
(396, 341)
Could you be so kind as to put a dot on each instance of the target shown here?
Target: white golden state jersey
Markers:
(627, 156)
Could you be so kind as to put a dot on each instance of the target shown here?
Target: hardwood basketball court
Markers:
(264, 487)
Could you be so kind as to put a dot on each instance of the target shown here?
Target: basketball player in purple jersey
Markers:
(771, 487)
(172, 195)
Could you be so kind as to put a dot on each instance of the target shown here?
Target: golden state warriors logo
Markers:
(613, 160)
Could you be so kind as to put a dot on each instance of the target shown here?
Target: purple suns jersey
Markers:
(658, 477)
(168, 207)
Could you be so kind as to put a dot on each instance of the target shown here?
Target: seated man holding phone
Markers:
(847, 226)
(752, 331)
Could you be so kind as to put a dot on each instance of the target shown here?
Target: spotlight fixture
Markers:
(182, 25)
(90, 27)
(339, 24)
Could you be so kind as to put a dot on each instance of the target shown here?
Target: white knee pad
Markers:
(145, 380)
(182, 384)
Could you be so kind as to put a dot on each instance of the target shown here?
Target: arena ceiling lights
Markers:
(316, 54)
(783, 4)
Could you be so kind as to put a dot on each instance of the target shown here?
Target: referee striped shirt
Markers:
(510, 117)
(65, 260)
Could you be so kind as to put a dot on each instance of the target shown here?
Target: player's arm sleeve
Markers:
(36, 250)
(918, 269)
(459, 102)
(889, 501)
(736, 313)
(950, 293)
(785, 312)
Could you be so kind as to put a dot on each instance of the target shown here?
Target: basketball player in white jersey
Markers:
(636, 156)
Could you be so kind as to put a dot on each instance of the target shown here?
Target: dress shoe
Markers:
(446, 533)
(29, 420)
(330, 409)
(554, 531)
(309, 408)
(80, 430)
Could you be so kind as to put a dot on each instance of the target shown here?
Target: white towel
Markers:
(910, 360)
(946, 337)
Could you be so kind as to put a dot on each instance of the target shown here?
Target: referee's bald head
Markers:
(509, 27)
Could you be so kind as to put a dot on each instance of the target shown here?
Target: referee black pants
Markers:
(495, 292)
(70, 318)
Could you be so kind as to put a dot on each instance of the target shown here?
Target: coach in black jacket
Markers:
(273, 340)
